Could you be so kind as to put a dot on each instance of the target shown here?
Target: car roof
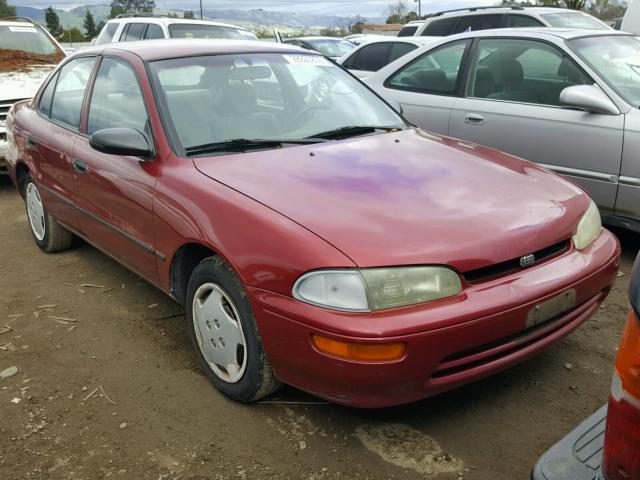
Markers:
(539, 32)
(171, 21)
(17, 21)
(498, 9)
(412, 40)
(151, 50)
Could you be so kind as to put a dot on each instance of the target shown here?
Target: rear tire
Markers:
(48, 234)
(224, 334)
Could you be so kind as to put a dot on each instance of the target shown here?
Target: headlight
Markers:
(376, 288)
(589, 227)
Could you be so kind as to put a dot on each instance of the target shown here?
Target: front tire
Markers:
(48, 234)
(224, 334)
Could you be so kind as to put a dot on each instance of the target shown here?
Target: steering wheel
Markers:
(306, 113)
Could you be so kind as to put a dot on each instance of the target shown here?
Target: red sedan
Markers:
(314, 237)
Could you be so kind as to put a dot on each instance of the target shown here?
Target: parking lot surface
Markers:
(108, 387)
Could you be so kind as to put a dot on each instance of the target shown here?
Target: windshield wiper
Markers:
(245, 144)
(351, 131)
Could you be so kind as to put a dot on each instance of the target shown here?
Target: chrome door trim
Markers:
(576, 172)
(631, 181)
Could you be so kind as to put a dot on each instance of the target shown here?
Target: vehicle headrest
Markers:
(511, 73)
(239, 99)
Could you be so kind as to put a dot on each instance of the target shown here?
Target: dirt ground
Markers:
(107, 388)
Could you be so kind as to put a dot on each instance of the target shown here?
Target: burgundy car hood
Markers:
(409, 198)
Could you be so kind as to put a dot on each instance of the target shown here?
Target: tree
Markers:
(172, 15)
(73, 35)
(6, 10)
(607, 9)
(118, 7)
(90, 28)
(189, 15)
(53, 23)
(397, 11)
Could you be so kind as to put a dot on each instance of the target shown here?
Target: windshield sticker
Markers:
(307, 59)
(23, 29)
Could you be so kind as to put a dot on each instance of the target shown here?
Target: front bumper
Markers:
(578, 456)
(449, 342)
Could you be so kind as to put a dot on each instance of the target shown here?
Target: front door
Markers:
(116, 192)
(512, 104)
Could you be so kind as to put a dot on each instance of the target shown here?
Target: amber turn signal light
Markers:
(366, 352)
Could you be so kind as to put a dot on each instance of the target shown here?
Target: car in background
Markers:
(28, 53)
(315, 238)
(449, 22)
(330, 47)
(131, 27)
(631, 20)
(606, 445)
(410, 29)
(371, 56)
(360, 38)
(564, 98)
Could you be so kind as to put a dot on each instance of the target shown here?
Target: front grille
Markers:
(5, 106)
(509, 266)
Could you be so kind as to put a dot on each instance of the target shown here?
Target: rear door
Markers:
(52, 136)
(115, 193)
(427, 86)
(512, 104)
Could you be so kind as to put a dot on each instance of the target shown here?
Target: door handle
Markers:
(79, 166)
(473, 119)
(32, 143)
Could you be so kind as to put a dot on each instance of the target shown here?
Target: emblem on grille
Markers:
(527, 260)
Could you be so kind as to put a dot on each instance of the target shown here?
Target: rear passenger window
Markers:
(69, 93)
(370, 58)
(107, 33)
(399, 50)
(440, 28)
(521, 21)
(47, 96)
(473, 23)
(154, 32)
(116, 100)
(436, 72)
(132, 32)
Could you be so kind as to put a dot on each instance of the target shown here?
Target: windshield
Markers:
(222, 98)
(574, 20)
(616, 59)
(331, 48)
(195, 30)
(22, 45)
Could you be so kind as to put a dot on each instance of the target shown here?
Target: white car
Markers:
(370, 57)
(132, 27)
(449, 22)
(410, 29)
(28, 53)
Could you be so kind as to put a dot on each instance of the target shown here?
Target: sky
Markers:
(366, 8)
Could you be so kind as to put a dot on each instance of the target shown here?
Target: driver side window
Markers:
(116, 100)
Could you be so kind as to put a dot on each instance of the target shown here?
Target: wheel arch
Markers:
(22, 170)
(184, 260)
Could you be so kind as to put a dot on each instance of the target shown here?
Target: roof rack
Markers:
(473, 9)
(141, 15)
(23, 19)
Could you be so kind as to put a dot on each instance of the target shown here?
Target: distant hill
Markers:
(253, 19)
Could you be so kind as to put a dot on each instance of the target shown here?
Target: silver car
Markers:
(566, 99)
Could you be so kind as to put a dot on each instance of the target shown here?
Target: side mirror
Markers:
(121, 141)
(396, 106)
(589, 98)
